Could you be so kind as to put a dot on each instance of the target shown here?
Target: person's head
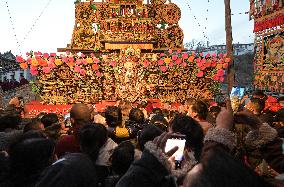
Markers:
(29, 156)
(9, 119)
(199, 110)
(148, 133)
(136, 115)
(34, 124)
(219, 168)
(281, 101)
(92, 138)
(113, 116)
(259, 95)
(122, 157)
(160, 122)
(80, 116)
(49, 119)
(157, 111)
(214, 111)
(188, 104)
(192, 130)
(256, 105)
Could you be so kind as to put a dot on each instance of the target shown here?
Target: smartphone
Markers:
(236, 95)
(67, 121)
(176, 141)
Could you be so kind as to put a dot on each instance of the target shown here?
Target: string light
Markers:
(33, 25)
(12, 23)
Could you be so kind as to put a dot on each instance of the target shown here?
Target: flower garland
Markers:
(172, 76)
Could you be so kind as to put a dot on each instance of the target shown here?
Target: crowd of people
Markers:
(7, 85)
(124, 146)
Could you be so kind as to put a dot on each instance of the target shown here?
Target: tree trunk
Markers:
(229, 44)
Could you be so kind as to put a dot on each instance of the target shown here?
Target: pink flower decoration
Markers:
(208, 64)
(146, 63)
(51, 60)
(199, 64)
(225, 65)
(192, 53)
(29, 60)
(92, 55)
(95, 67)
(208, 55)
(33, 72)
(198, 60)
(39, 53)
(19, 58)
(98, 74)
(185, 56)
(174, 57)
(77, 78)
(65, 59)
(178, 51)
(113, 63)
(170, 51)
(178, 61)
(222, 79)
(201, 54)
(164, 68)
(84, 62)
(220, 73)
(82, 55)
(203, 68)
(214, 55)
(161, 62)
(28, 53)
(162, 54)
(45, 55)
(33, 68)
(77, 69)
(96, 60)
(213, 64)
(46, 70)
(221, 61)
(200, 74)
(225, 55)
(53, 54)
(220, 55)
(203, 61)
(79, 62)
(71, 59)
(184, 64)
(51, 65)
(215, 77)
(83, 72)
(67, 52)
(171, 64)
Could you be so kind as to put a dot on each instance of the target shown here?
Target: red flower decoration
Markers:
(178, 51)
(220, 72)
(45, 55)
(174, 57)
(112, 63)
(79, 62)
(19, 59)
(67, 52)
(46, 70)
(201, 54)
(29, 60)
(215, 77)
(184, 55)
(225, 65)
(220, 55)
(164, 68)
(171, 64)
(65, 59)
(221, 79)
(83, 72)
(96, 60)
(95, 67)
(198, 60)
(28, 53)
(162, 54)
(92, 55)
(208, 64)
(208, 55)
(33, 68)
(98, 74)
(184, 64)
(71, 59)
(200, 74)
(83, 55)
(84, 62)
(161, 62)
(53, 54)
(178, 61)
(77, 69)
(170, 51)
(214, 55)
(51, 65)
(146, 63)
(203, 68)
(33, 72)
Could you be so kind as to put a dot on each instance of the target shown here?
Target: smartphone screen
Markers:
(171, 143)
(67, 121)
(237, 92)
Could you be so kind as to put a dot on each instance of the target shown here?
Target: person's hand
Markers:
(248, 118)
(161, 141)
(225, 118)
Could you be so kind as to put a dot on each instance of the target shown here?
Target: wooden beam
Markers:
(229, 44)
